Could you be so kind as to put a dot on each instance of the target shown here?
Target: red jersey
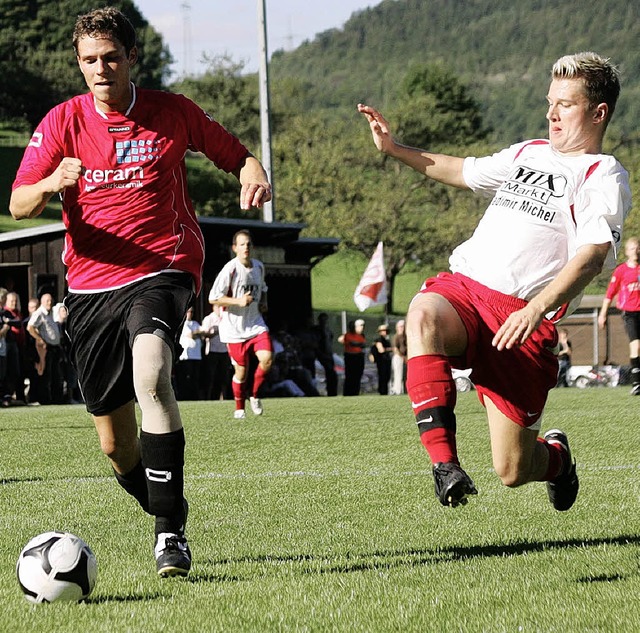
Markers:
(130, 215)
(625, 282)
(354, 343)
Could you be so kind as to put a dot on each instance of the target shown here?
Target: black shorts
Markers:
(103, 326)
(632, 325)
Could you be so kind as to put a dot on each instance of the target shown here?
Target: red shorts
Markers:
(240, 352)
(517, 380)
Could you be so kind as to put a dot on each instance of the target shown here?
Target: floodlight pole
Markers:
(268, 209)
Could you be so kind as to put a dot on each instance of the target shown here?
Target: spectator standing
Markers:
(354, 343)
(217, 370)
(30, 377)
(399, 359)
(625, 284)
(189, 364)
(381, 352)
(324, 353)
(13, 387)
(240, 289)
(43, 328)
(564, 357)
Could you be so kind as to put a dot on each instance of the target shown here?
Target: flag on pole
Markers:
(372, 289)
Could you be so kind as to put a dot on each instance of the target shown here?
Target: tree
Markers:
(329, 175)
(38, 67)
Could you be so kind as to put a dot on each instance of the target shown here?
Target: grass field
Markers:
(321, 516)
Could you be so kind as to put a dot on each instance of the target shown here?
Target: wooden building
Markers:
(31, 263)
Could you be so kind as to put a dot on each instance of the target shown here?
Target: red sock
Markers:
(238, 393)
(557, 460)
(258, 379)
(432, 392)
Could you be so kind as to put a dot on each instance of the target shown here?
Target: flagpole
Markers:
(268, 209)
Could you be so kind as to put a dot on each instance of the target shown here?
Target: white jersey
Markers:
(239, 324)
(545, 206)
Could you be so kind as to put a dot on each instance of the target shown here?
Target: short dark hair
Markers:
(109, 22)
(239, 233)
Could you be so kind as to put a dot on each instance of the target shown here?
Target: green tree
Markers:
(329, 175)
(38, 68)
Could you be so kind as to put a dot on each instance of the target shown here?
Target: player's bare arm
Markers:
(256, 190)
(440, 167)
(28, 201)
(569, 283)
(243, 301)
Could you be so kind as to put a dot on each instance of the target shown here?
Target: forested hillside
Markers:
(502, 49)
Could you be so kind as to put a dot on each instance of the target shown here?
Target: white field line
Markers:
(283, 474)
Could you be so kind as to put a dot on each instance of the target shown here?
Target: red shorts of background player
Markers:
(518, 380)
(240, 352)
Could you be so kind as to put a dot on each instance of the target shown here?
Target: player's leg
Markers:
(118, 435)
(162, 444)
(240, 362)
(435, 331)
(520, 457)
(263, 349)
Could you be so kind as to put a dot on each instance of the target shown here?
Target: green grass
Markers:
(321, 516)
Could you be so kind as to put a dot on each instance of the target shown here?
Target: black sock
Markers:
(635, 371)
(135, 483)
(163, 459)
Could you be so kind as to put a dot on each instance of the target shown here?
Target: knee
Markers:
(265, 364)
(122, 451)
(421, 318)
(511, 472)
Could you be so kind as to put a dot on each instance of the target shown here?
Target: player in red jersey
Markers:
(625, 283)
(134, 253)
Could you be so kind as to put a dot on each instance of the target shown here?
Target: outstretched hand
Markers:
(379, 128)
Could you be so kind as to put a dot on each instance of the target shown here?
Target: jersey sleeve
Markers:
(601, 205)
(485, 175)
(43, 153)
(209, 137)
(222, 284)
(614, 284)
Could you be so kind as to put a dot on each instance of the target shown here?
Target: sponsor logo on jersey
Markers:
(529, 191)
(135, 151)
(132, 156)
(121, 128)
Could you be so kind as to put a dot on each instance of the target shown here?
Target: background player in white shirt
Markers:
(554, 220)
(240, 289)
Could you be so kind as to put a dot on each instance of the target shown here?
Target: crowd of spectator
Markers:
(35, 366)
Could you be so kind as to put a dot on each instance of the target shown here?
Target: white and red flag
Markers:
(372, 289)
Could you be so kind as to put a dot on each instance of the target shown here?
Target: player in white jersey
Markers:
(554, 221)
(241, 290)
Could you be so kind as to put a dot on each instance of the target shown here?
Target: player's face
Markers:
(242, 249)
(574, 127)
(632, 250)
(105, 66)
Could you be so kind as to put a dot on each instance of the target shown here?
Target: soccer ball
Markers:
(56, 566)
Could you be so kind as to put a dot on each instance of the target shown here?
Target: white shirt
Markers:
(213, 344)
(191, 346)
(545, 206)
(235, 280)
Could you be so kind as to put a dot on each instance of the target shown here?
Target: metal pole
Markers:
(268, 210)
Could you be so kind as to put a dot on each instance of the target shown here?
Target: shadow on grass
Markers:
(386, 560)
(144, 597)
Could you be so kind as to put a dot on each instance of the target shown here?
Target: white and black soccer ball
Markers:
(56, 566)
